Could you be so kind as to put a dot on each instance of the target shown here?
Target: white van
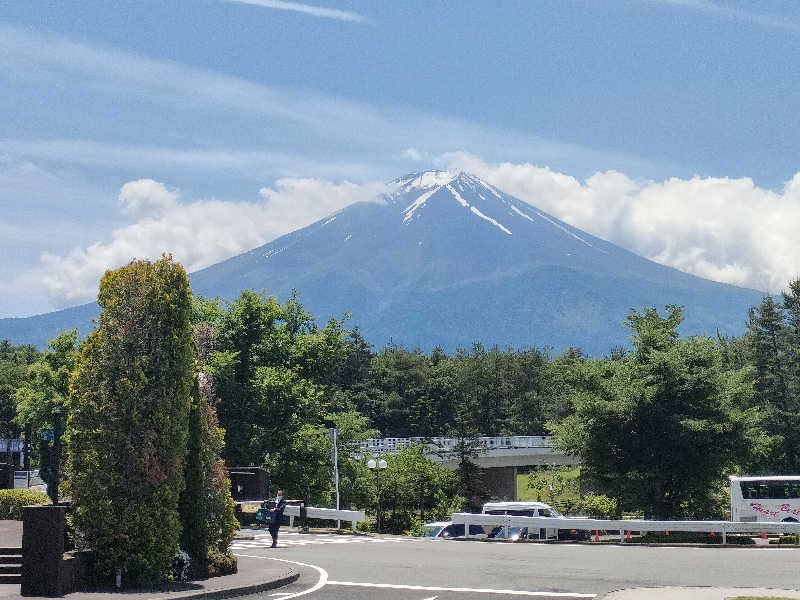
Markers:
(530, 509)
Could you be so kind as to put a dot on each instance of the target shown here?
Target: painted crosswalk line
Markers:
(290, 538)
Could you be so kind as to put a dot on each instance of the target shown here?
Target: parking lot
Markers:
(421, 569)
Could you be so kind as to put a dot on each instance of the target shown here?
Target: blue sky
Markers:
(279, 111)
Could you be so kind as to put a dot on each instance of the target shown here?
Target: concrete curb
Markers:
(290, 577)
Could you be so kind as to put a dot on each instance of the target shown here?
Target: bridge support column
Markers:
(501, 482)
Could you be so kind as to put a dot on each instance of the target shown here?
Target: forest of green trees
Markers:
(657, 426)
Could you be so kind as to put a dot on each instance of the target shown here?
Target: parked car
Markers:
(448, 529)
(531, 509)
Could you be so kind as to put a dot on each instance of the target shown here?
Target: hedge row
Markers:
(12, 501)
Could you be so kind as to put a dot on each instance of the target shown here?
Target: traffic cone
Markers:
(596, 535)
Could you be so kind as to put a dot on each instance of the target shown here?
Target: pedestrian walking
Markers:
(276, 516)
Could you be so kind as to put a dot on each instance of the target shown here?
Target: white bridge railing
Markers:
(381, 445)
(312, 512)
(623, 526)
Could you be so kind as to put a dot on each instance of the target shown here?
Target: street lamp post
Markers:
(55, 473)
(378, 466)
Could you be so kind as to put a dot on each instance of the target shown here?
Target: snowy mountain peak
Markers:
(414, 191)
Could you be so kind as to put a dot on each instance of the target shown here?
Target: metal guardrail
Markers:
(623, 526)
(312, 512)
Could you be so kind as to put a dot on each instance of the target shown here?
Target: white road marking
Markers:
(434, 588)
(323, 574)
(431, 598)
(298, 539)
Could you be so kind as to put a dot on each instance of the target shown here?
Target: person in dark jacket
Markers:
(276, 517)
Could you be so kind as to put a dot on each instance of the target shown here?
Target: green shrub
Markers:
(785, 540)
(220, 564)
(363, 526)
(415, 529)
(601, 507)
(12, 501)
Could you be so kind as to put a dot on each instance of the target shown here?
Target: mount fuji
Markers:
(445, 259)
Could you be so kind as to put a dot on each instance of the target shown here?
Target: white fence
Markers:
(623, 526)
(312, 512)
(390, 445)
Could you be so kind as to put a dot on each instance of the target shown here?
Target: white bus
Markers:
(765, 498)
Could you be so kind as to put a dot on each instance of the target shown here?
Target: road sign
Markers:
(47, 435)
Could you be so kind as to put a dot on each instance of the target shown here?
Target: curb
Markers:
(233, 592)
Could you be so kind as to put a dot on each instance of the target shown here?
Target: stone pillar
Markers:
(42, 551)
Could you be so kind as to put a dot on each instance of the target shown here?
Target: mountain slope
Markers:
(446, 259)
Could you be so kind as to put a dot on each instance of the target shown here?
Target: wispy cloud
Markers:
(314, 11)
(737, 14)
(288, 116)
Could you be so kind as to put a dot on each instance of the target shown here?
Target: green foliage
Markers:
(773, 342)
(47, 385)
(356, 485)
(12, 501)
(128, 420)
(275, 372)
(556, 485)
(787, 540)
(658, 428)
(599, 506)
(220, 563)
(446, 505)
(412, 484)
(14, 364)
(208, 511)
(193, 502)
(303, 465)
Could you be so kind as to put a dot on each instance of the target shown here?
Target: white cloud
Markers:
(197, 234)
(146, 197)
(413, 154)
(724, 229)
(737, 14)
(314, 11)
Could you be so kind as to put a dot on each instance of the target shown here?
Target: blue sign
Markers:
(47, 435)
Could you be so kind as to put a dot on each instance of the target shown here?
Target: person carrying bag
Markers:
(276, 517)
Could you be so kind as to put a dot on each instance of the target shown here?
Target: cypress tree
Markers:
(128, 421)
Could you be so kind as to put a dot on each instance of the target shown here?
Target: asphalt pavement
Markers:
(343, 567)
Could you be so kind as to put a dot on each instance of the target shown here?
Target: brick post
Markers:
(43, 550)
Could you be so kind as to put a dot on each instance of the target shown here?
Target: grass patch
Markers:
(565, 495)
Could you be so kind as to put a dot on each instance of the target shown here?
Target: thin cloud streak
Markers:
(736, 14)
(372, 130)
(314, 11)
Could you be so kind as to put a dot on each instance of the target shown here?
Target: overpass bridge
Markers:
(502, 456)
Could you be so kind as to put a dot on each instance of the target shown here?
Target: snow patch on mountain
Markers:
(490, 219)
(409, 211)
(520, 213)
(564, 229)
(457, 196)
(426, 180)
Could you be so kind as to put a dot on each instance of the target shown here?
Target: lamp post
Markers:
(378, 466)
(55, 474)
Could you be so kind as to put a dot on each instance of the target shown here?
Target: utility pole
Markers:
(334, 433)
